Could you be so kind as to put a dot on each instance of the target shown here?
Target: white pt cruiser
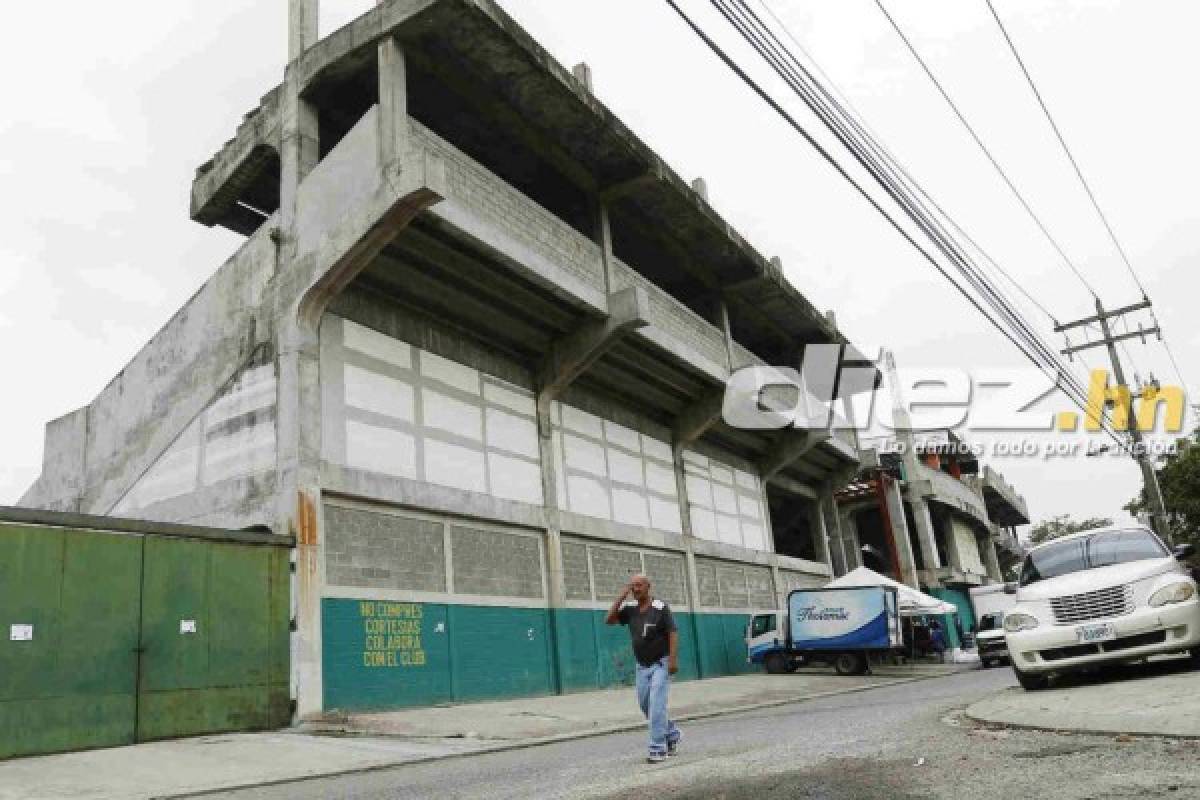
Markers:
(1104, 595)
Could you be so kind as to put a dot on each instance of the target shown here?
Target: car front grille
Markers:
(1100, 604)
(1113, 646)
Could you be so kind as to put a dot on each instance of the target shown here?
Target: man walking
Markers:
(656, 648)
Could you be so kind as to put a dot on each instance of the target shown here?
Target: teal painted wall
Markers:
(966, 614)
(379, 655)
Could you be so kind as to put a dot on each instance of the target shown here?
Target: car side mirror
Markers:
(1183, 551)
(1010, 588)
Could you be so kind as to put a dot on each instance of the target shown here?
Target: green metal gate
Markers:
(117, 631)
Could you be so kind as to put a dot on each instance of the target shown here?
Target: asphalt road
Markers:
(899, 743)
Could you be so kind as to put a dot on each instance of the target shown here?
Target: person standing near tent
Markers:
(655, 643)
(937, 639)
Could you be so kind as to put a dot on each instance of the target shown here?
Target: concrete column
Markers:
(904, 553)
(302, 27)
(850, 537)
(551, 511)
(828, 502)
(991, 560)
(298, 428)
(926, 539)
(689, 555)
(393, 105)
(820, 534)
(903, 422)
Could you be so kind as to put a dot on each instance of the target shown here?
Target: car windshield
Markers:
(1089, 552)
(990, 622)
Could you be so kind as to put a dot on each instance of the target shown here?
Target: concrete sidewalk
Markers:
(372, 741)
(1161, 698)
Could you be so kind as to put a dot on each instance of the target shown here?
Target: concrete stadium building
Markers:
(471, 354)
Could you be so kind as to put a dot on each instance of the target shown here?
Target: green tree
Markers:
(1179, 481)
(1062, 525)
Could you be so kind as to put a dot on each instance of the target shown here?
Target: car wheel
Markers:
(850, 664)
(776, 663)
(1195, 653)
(1030, 683)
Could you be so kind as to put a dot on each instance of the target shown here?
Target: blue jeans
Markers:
(653, 683)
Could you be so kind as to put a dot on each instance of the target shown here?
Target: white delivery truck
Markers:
(838, 625)
(990, 604)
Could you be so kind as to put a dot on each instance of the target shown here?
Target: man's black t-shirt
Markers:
(648, 630)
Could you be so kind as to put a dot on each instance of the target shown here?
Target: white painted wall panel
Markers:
(521, 402)
(656, 449)
(619, 434)
(664, 515)
(660, 479)
(382, 394)
(512, 433)
(624, 468)
(588, 496)
(630, 507)
(580, 421)
(377, 345)
(456, 466)
(451, 373)
(384, 450)
(584, 455)
(515, 479)
(704, 524)
(443, 412)
(724, 499)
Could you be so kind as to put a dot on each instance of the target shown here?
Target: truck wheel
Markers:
(776, 663)
(849, 664)
(1030, 683)
(985, 663)
(793, 664)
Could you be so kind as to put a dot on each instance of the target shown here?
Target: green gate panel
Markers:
(174, 593)
(499, 652)
(31, 563)
(71, 686)
(213, 632)
(381, 654)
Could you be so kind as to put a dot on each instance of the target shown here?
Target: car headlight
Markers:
(1174, 593)
(1019, 622)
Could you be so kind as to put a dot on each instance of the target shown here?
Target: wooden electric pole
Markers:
(1158, 511)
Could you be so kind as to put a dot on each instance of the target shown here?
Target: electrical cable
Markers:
(890, 185)
(996, 164)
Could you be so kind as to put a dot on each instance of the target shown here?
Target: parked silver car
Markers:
(1101, 596)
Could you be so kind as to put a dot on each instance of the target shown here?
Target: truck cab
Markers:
(766, 642)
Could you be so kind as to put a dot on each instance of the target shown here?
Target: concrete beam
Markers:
(571, 356)
(695, 420)
(791, 445)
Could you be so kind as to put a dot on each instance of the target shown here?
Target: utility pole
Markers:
(1158, 511)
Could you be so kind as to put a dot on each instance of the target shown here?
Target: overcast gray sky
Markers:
(104, 128)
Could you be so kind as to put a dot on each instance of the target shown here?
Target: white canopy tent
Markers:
(912, 603)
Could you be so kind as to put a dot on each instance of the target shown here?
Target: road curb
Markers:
(528, 743)
(1026, 726)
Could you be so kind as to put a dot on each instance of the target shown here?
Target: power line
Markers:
(889, 183)
(996, 164)
(845, 100)
(1012, 47)
(913, 207)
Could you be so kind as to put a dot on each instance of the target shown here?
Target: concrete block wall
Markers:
(221, 468)
(93, 458)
